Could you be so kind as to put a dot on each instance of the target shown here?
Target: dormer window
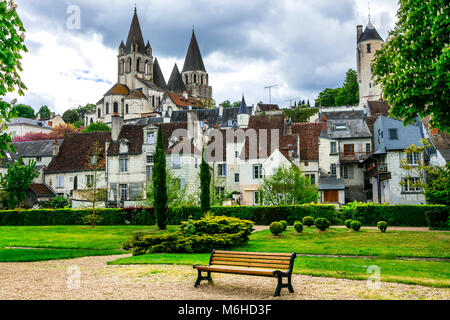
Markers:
(124, 143)
(340, 127)
(151, 138)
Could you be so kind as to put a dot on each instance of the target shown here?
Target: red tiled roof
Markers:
(309, 140)
(118, 89)
(182, 102)
(137, 94)
(379, 108)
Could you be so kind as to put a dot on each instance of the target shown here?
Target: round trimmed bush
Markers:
(298, 226)
(348, 223)
(308, 221)
(356, 225)
(276, 228)
(285, 224)
(322, 224)
(382, 225)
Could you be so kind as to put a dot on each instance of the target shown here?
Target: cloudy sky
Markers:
(303, 46)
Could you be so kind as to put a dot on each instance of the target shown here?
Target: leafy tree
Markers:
(45, 112)
(79, 124)
(300, 114)
(16, 181)
(327, 97)
(176, 195)
(228, 104)
(205, 183)
(70, 116)
(24, 111)
(11, 47)
(348, 95)
(437, 190)
(413, 66)
(287, 186)
(96, 126)
(160, 183)
(83, 110)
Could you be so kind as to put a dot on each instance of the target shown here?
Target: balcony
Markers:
(353, 156)
(383, 170)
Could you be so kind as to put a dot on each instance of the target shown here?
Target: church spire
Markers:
(243, 108)
(193, 59)
(135, 35)
(176, 84)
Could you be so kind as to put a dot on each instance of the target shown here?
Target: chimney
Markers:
(323, 123)
(185, 95)
(359, 32)
(288, 125)
(55, 148)
(116, 126)
(221, 110)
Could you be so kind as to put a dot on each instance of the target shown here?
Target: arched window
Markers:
(153, 101)
(129, 65)
(138, 62)
(116, 107)
(195, 78)
(99, 113)
(107, 108)
(201, 81)
(147, 67)
(186, 78)
(126, 108)
(92, 120)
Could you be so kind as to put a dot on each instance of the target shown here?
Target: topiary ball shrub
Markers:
(382, 225)
(348, 223)
(356, 225)
(276, 228)
(298, 226)
(285, 224)
(322, 224)
(308, 221)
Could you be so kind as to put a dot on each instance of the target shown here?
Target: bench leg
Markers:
(281, 285)
(200, 278)
(290, 288)
(210, 280)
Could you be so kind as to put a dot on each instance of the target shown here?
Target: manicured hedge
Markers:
(395, 215)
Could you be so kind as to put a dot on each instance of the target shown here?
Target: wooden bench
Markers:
(264, 264)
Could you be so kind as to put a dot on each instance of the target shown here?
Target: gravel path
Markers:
(53, 280)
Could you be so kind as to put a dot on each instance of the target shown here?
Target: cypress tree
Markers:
(205, 181)
(159, 183)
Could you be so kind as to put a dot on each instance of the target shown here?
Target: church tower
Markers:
(194, 74)
(368, 42)
(135, 58)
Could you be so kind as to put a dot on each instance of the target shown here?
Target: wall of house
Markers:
(17, 130)
(68, 186)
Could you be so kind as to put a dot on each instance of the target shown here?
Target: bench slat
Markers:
(223, 255)
(281, 254)
(252, 265)
(281, 262)
(243, 270)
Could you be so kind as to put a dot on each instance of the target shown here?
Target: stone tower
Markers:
(368, 42)
(194, 74)
(135, 58)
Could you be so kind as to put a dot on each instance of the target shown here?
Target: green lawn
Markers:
(28, 255)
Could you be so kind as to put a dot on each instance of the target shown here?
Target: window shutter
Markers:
(350, 172)
(114, 191)
(135, 191)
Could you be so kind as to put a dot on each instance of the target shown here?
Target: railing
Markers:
(383, 171)
(353, 156)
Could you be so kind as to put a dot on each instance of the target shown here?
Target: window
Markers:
(116, 107)
(312, 178)
(150, 159)
(410, 185)
(256, 198)
(369, 49)
(89, 180)
(220, 191)
(257, 171)
(236, 177)
(345, 172)
(99, 113)
(413, 158)
(368, 147)
(221, 170)
(183, 183)
(349, 149)
(60, 182)
(176, 161)
(123, 164)
(123, 192)
(38, 159)
(93, 160)
(151, 138)
(393, 134)
(306, 163)
(333, 169)
(138, 62)
(333, 149)
(127, 110)
(236, 154)
(149, 172)
(195, 78)
(196, 163)
(153, 101)
(230, 123)
(340, 127)
(370, 84)
(107, 108)
(186, 79)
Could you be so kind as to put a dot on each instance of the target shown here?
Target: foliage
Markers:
(58, 202)
(327, 98)
(214, 233)
(12, 45)
(228, 104)
(79, 124)
(44, 112)
(298, 226)
(58, 132)
(437, 190)
(276, 228)
(24, 111)
(160, 183)
(285, 224)
(382, 225)
(322, 224)
(437, 218)
(16, 181)
(189, 227)
(308, 221)
(176, 195)
(287, 186)
(96, 127)
(348, 223)
(412, 67)
(83, 110)
(70, 116)
(205, 183)
(348, 95)
(356, 225)
(300, 114)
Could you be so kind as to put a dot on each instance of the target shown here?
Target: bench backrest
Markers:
(280, 261)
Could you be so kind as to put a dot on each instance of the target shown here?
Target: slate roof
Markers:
(193, 60)
(43, 148)
(74, 152)
(7, 159)
(176, 83)
(135, 35)
(31, 122)
(134, 134)
(243, 107)
(331, 183)
(355, 129)
(370, 33)
(158, 77)
(309, 140)
(343, 115)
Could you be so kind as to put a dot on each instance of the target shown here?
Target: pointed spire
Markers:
(175, 83)
(135, 35)
(193, 59)
(370, 33)
(243, 108)
(158, 77)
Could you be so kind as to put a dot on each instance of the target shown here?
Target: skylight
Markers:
(340, 127)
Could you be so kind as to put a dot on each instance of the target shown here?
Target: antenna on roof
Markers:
(368, 4)
(270, 91)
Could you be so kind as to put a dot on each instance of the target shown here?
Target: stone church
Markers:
(141, 90)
